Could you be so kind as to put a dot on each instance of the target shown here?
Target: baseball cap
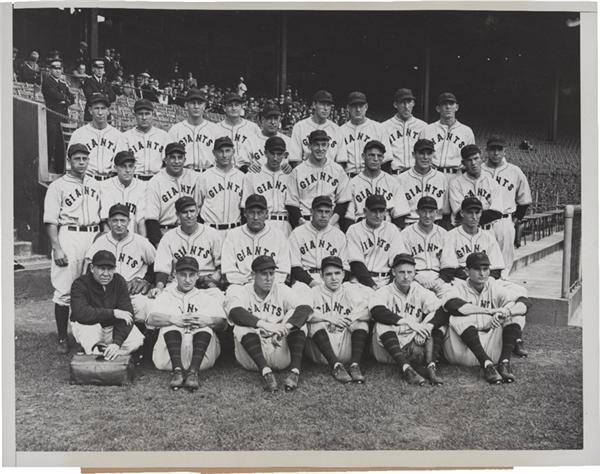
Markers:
(263, 262)
(477, 260)
(468, 151)
(423, 144)
(275, 143)
(174, 147)
(123, 157)
(427, 202)
(321, 201)
(470, 203)
(403, 258)
(356, 98)
(232, 97)
(270, 109)
(332, 261)
(118, 209)
(446, 97)
(496, 141)
(256, 200)
(186, 263)
(403, 94)
(183, 203)
(317, 135)
(195, 94)
(97, 98)
(374, 144)
(77, 148)
(104, 257)
(375, 201)
(323, 96)
(221, 142)
(143, 104)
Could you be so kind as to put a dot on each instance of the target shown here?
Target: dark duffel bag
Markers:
(92, 369)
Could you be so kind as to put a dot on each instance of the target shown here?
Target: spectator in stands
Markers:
(129, 86)
(149, 90)
(117, 83)
(139, 85)
(96, 84)
(191, 82)
(109, 67)
(167, 97)
(79, 76)
(242, 88)
(30, 69)
(16, 64)
(176, 74)
(82, 56)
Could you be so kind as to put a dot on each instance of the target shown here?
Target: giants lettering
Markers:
(505, 183)
(312, 245)
(127, 260)
(465, 250)
(205, 140)
(321, 176)
(258, 250)
(229, 186)
(87, 191)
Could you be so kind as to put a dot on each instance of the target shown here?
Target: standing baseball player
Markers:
(145, 141)
(125, 189)
(196, 133)
(448, 135)
(372, 180)
(358, 131)
(165, 188)
(317, 176)
(102, 140)
(301, 149)
(516, 197)
(272, 183)
(188, 318)
(338, 327)
(372, 244)
(72, 219)
(486, 321)
(401, 132)
(270, 123)
(255, 238)
(269, 325)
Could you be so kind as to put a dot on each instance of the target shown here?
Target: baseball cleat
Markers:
(290, 383)
(191, 381)
(491, 375)
(356, 374)
(519, 350)
(412, 377)
(432, 376)
(505, 372)
(340, 374)
(177, 379)
(62, 346)
(270, 382)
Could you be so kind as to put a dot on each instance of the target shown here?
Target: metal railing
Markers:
(571, 271)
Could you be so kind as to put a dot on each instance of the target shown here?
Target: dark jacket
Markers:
(92, 86)
(91, 304)
(57, 95)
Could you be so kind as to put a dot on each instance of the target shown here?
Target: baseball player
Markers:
(448, 135)
(196, 133)
(401, 132)
(125, 189)
(188, 318)
(425, 240)
(191, 239)
(239, 130)
(313, 241)
(486, 321)
(269, 325)
(272, 183)
(270, 121)
(72, 219)
(358, 131)
(317, 176)
(300, 148)
(407, 320)
(102, 140)
(338, 327)
(220, 190)
(165, 188)
(372, 244)
(372, 180)
(145, 141)
(516, 197)
(423, 180)
(256, 237)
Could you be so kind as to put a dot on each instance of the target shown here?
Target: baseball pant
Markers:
(140, 307)
(340, 339)
(162, 360)
(431, 280)
(89, 335)
(504, 231)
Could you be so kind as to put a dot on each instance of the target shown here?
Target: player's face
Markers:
(271, 124)
(319, 149)
(320, 216)
(223, 156)
(195, 108)
(274, 158)
(174, 162)
(186, 280)
(264, 279)
(188, 216)
(79, 163)
(374, 217)
(426, 216)
(99, 113)
(373, 158)
(495, 154)
(423, 159)
(103, 274)
(125, 171)
(404, 274)
(118, 224)
(447, 110)
(255, 218)
(143, 119)
(332, 277)
(233, 109)
(358, 111)
(472, 165)
(479, 276)
(405, 108)
(470, 217)
(323, 109)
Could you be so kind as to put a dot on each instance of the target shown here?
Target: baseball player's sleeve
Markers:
(235, 297)
(448, 259)
(430, 302)
(400, 204)
(163, 261)
(341, 154)
(470, 137)
(52, 205)
(216, 245)
(152, 211)
(247, 186)
(292, 194)
(496, 201)
(343, 254)
(228, 266)
(282, 259)
(354, 252)
(359, 297)
(446, 209)
(495, 254)
(200, 187)
(121, 144)
(296, 150)
(295, 256)
(343, 192)
(149, 251)
(523, 194)
(455, 196)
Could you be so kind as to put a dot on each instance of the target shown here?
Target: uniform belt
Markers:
(489, 226)
(84, 228)
(225, 226)
(427, 270)
(143, 177)
(278, 218)
(199, 170)
(399, 170)
(307, 218)
(101, 177)
(168, 226)
(504, 216)
(448, 169)
(379, 274)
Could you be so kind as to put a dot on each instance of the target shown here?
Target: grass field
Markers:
(542, 410)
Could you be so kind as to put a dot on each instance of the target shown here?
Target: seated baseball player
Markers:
(188, 318)
(407, 320)
(256, 237)
(372, 244)
(338, 327)
(101, 310)
(485, 323)
(269, 325)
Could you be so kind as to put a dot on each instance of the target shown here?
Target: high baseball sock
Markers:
(200, 342)
(296, 340)
(390, 342)
(173, 342)
(251, 342)
(358, 339)
(61, 315)
(321, 339)
(438, 342)
(471, 339)
(510, 334)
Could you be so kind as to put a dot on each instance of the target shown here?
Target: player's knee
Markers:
(314, 328)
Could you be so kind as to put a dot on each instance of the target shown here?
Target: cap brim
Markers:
(472, 207)
(426, 149)
(268, 267)
(276, 148)
(377, 207)
(105, 263)
(357, 101)
(405, 97)
(428, 207)
(187, 267)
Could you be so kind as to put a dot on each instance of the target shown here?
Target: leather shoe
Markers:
(491, 375)
(177, 379)
(270, 382)
(412, 377)
(519, 350)
(505, 372)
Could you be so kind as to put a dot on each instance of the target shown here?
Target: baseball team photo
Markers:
(297, 230)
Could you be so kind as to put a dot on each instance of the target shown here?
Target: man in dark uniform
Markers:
(96, 84)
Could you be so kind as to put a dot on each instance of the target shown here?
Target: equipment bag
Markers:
(92, 369)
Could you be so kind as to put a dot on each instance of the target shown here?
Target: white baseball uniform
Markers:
(198, 141)
(483, 188)
(163, 190)
(148, 149)
(300, 149)
(112, 192)
(459, 245)
(242, 136)
(257, 146)
(386, 185)
(400, 138)
(448, 141)
(103, 145)
(356, 137)
(415, 186)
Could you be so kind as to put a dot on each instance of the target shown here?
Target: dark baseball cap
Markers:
(446, 97)
(187, 263)
(98, 98)
(274, 144)
(427, 202)
(374, 144)
(356, 97)
(118, 209)
(142, 104)
(184, 202)
(403, 258)
(77, 148)
(174, 147)
(423, 144)
(317, 135)
(477, 260)
(256, 200)
(232, 97)
(496, 141)
(263, 262)
(375, 201)
(222, 142)
(123, 157)
(321, 201)
(323, 96)
(403, 94)
(269, 110)
(195, 94)
(471, 203)
(104, 257)
(468, 151)
(331, 261)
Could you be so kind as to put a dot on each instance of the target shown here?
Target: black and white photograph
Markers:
(315, 229)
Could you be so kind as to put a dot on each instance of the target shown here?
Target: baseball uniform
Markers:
(415, 186)
(257, 147)
(483, 188)
(148, 149)
(448, 141)
(362, 186)
(300, 149)
(242, 136)
(459, 244)
(355, 138)
(133, 196)
(103, 145)
(198, 141)
(400, 136)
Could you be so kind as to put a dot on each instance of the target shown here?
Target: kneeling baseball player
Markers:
(188, 318)
(269, 325)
